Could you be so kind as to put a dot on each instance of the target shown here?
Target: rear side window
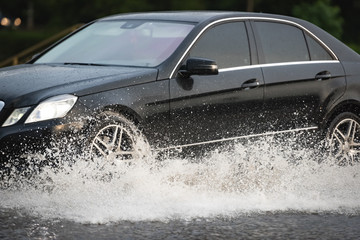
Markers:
(282, 42)
(317, 52)
(227, 44)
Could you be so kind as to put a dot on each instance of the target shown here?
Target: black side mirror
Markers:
(199, 66)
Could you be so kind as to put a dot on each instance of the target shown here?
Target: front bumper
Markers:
(15, 141)
(19, 139)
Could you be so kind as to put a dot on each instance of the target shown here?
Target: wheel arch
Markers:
(352, 106)
(126, 111)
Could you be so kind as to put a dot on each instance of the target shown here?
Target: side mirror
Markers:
(199, 66)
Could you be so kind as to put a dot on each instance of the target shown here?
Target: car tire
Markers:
(115, 137)
(344, 139)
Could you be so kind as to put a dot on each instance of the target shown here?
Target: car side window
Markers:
(227, 44)
(317, 52)
(282, 42)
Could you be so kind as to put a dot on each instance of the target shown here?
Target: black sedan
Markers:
(172, 80)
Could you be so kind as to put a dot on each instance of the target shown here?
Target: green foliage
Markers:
(187, 5)
(355, 47)
(322, 14)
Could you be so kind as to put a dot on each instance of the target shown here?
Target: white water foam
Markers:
(255, 177)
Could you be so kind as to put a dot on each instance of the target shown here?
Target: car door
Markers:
(223, 106)
(301, 75)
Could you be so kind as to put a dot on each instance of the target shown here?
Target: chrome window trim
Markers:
(238, 138)
(299, 26)
(276, 64)
(2, 104)
(254, 18)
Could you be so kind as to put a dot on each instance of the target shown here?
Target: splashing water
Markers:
(254, 177)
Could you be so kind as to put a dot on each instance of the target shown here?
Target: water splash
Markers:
(254, 177)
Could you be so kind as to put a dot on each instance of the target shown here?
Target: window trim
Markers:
(245, 27)
(262, 43)
(307, 37)
(177, 66)
(264, 65)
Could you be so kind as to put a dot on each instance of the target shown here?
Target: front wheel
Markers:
(117, 138)
(344, 139)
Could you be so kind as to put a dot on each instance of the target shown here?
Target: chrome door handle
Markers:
(323, 76)
(252, 83)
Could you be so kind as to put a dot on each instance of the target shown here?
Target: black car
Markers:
(181, 79)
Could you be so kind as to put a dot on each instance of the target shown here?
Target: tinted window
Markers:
(317, 52)
(227, 44)
(282, 42)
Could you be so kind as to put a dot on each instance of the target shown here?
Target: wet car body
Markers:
(253, 93)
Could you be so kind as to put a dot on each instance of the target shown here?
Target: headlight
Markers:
(15, 116)
(54, 107)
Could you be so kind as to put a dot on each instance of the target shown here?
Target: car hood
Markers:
(25, 85)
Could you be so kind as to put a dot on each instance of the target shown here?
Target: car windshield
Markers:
(131, 43)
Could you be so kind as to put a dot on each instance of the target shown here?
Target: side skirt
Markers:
(179, 147)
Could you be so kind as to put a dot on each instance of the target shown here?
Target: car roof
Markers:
(190, 16)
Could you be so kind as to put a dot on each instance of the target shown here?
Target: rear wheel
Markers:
(117, 138)
(344, 138)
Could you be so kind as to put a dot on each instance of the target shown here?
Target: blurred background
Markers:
(28, 26)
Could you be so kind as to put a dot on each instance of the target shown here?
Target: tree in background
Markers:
(322, 14)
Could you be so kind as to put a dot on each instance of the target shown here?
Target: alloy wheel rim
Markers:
(345, 142)
(114, 142)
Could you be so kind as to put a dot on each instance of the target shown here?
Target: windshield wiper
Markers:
(85, 64)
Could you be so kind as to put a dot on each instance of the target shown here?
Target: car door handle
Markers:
(252, 83)
(324, 75)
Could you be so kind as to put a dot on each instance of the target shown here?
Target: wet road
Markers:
(15, 225)
(256, 191)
